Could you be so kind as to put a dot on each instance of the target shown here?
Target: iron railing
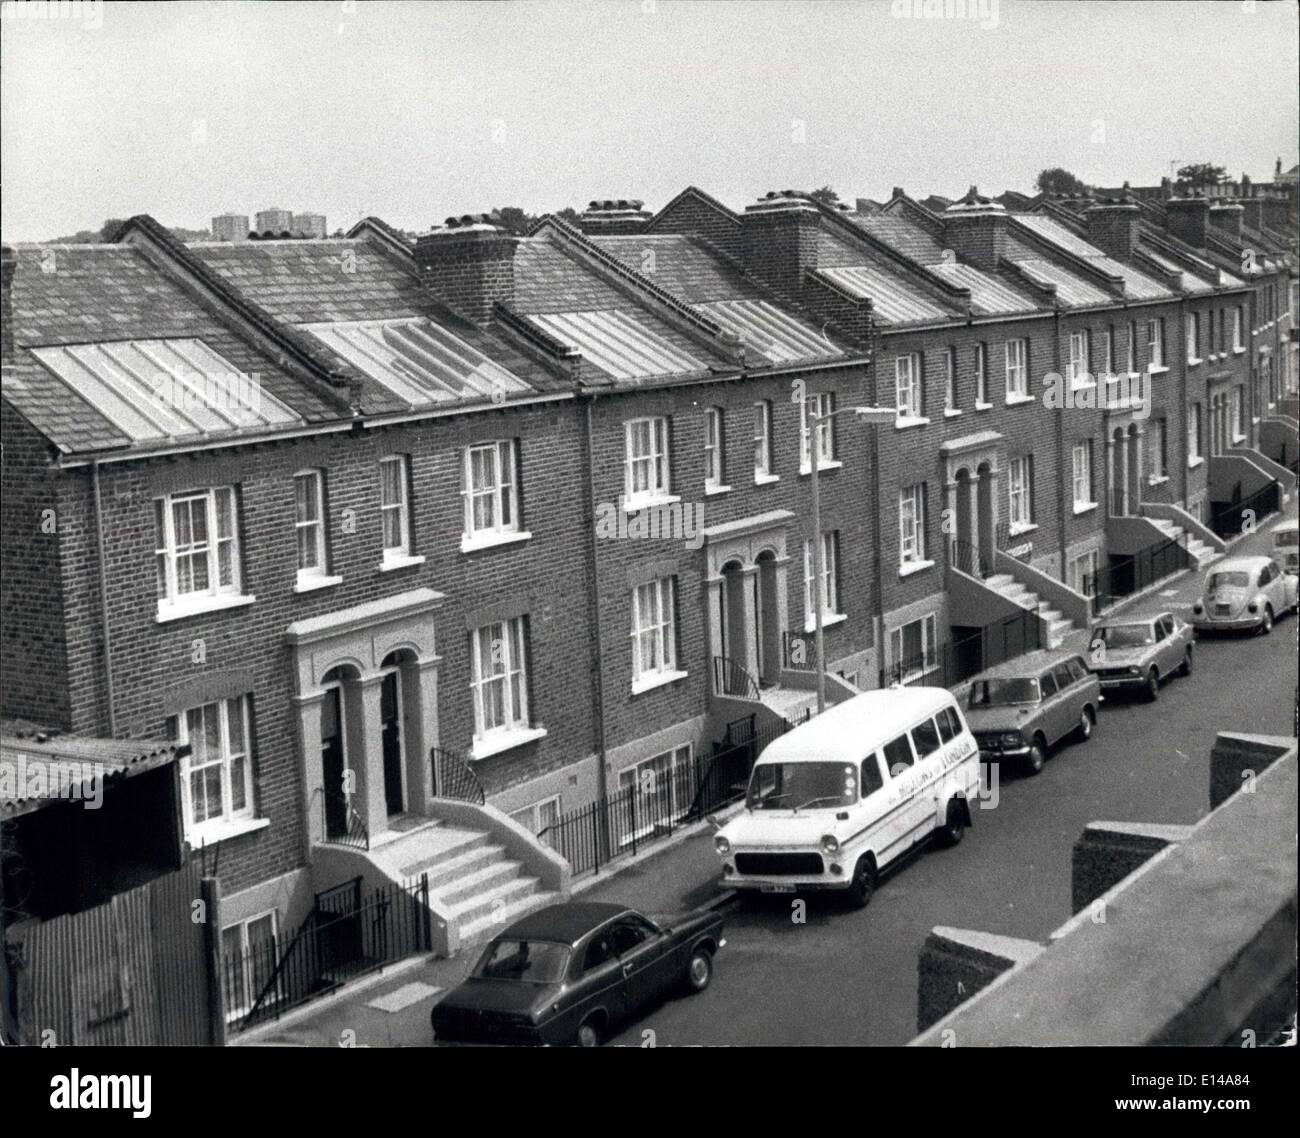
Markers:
(346, 935)
(355, 833)
(454, 778)
(966, 556)
(1132, 573)
(730, 678)
(954, 661)
(1228, 519)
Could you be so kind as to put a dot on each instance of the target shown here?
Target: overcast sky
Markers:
(414, 111)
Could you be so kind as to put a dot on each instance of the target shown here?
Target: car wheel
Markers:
(1036, 758)
(954, 827)
(1186, 669)
(700, 970)
(863, 884)
(589, 1033)
(1266, 623)
(1153, 686)
(1084, 730)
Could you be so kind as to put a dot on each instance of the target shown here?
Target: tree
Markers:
(1057, 180)
(514, 220)
(1198, 175)
(826, 196)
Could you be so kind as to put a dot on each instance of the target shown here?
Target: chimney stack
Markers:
(779, 240)
(1252, 215)
(469, 264)
(1226, 217)
(1113, 226)
(975, 228)
(1187, 218)
(8, 265)
(614, 218)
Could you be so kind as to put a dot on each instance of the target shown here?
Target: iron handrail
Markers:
(729, 678)
(454, 778)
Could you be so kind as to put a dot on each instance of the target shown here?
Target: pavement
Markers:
(845, 977)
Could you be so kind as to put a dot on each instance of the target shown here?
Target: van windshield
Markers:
(798, 786)
(1286, 537)
(1002, 692)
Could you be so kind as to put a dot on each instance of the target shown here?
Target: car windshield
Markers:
(1233, 580)
(796, 786)
(1126, 635)
(528, 961)
(1001, 692)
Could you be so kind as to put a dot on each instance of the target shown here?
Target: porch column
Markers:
(713, 597)
(749, 590)
(973, 504)
(419, 771)
(1123, 474)
(374, 806)
(953, 514)
(1138, 468)
(308, 708)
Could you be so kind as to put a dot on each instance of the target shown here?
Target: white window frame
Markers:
(823, 407)
(1132, 354)
(1159, 449)
(982, 376)
(1237, 413)
(218, 507)
(911, 526)
(399, 508)
(929, 644)
(252, 984)
(1194, 336)
(714, 449)
(1081, 480)
(654, 633)
(1020, 505)
(508, 673)
(645, 459)
(830, 591)
(1155, 343)
(498, 495)
(315, 526)
(1193, 433)
(664, 784)
(540, 815)
(1017, 351)
(229, 749)
(1081, 567)
(909, 373)
(763, 441)
(950, 380)
(1077, 369)
(1108, 351)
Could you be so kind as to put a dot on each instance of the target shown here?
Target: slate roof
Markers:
(1137, 285)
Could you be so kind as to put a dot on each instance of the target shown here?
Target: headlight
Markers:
(1198, 607)
(1134, 670)
(722, 845)
(830, 843)
(1253, 606)
(1010, 739)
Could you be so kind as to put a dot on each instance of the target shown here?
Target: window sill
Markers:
(1084, 507)
(983, 406)
(1193, 463)
(951, 412)
(211, 833)
(766, 479)
(179, 610)
(656, 680)
(1239, 351)
(632, 505)
(497, 742)
(1091, 386)
(1193, 362)
(829, 620)
(319, 581)
(907, 568)
(1022, 527)
(711, 491)
(904, 421)
(1157, 369)
(403, 561)
(1157, 479)
(473, 542)
(831, 464)
(1238, 439)
(1016, 400)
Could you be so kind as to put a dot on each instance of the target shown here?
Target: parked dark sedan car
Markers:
(569, 973)
(1138, 652)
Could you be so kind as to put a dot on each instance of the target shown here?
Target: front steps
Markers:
(789, 703)
(1202, 553)
(1058, 626)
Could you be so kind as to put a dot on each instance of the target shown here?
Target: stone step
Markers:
(996, 581)
(480, 880)
(444, 872)
(434, 847)
(493, 899)
(483, 928)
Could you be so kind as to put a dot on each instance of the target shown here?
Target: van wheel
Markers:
(954, 828)
(1186, 669)
(863, 884)
(589, 1033)
(1266, 625)
(1084, 730)
(1153, 686)
(1036, 758)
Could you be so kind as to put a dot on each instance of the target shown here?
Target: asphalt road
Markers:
(846, 977)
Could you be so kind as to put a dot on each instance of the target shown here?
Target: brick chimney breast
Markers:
(1227, 218)
(469, 265)
(612, 218)
(975, 228)
(8, 266)
(779, 240)
(1113, 226)
(1187, 218)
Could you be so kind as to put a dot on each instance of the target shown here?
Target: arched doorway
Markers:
(735, 641)
(339, 720)
(984, 515)
(1133, 471)
(398, 690)
(1118, 478)
(769, 621)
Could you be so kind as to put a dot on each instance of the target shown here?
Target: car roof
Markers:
(1136, 618)
(1254, 561)
(565, 923)
(844, 729)
(1289, 524)
(1030, 664)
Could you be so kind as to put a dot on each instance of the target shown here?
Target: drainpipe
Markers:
(878, 632)
(1064, 500)
(1183, 405)
(593, 600)
(103, 598)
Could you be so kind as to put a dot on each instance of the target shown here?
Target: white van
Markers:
(1286, 545)
(834, 801)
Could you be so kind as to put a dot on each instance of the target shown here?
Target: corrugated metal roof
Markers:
(1070, 290)
(780, 337)
(989, 296)
(161, 389)
(618, 343)
(417, 360)
(1188, 282)
(1052, 230)
(893, 300)
(1137, 285)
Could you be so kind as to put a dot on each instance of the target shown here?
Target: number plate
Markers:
(776, 888)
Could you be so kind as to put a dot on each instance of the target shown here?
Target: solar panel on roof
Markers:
(159, 389)
(618, 343)
(417, 360)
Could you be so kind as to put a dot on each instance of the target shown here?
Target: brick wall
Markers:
(690, 214)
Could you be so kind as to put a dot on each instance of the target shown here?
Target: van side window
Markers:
(1077, 670)
(949, 728)
(1047, 682)
(898, 755)
(1063, 677)
(926, 737)
(871, 780)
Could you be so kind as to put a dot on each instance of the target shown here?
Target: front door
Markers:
(390, 718)
(333, 763)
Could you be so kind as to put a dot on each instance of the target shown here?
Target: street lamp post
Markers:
(872, 415)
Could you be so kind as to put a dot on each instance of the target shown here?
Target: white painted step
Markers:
(482, 880)
(430, 848)
(495, 898)
(452, 869)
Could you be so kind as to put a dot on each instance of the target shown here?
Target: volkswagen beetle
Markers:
(1244, 593)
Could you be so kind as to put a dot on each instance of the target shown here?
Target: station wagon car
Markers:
(1138, 652)
(1244, 593)
(568, 973)
(1018, 710)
